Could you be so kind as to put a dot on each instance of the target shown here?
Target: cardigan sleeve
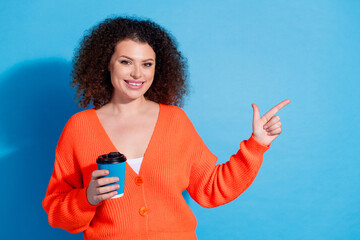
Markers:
(212, 184)
(66, 202)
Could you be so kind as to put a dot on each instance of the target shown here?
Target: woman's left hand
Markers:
(267, 127)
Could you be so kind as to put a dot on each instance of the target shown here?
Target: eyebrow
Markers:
(149, 59)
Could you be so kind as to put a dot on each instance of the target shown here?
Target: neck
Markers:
(127, 108)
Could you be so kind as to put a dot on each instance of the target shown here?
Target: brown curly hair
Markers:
(91, 76)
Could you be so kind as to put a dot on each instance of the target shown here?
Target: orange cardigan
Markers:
(152, 207)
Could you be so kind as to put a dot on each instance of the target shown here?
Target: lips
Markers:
(134, 84)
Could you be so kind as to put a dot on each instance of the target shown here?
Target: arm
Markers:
(213, 185)
(66, 201)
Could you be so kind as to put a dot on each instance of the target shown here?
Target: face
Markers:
(132, 70)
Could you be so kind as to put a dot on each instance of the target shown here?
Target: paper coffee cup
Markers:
(115, 163)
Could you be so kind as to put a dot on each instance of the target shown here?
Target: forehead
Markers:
(134, 49)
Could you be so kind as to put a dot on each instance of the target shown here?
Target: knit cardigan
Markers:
(153, 206)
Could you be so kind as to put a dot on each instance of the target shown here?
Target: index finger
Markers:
(99, 173)
(275, 109)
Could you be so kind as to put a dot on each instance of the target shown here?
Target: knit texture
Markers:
(175, 160)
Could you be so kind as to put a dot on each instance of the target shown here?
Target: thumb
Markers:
(256, 112)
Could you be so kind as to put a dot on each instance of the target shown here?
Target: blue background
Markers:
(239, 52)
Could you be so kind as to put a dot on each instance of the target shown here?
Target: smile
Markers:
(133, 84)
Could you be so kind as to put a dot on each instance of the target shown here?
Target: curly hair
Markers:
(91, 76)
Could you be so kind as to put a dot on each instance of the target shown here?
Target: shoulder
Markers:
(173, 111)
(177, 118)
(179, 128)
(81, 117)
(79, 120)
(76, 127)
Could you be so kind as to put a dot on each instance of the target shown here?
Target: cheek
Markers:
(116, 77)
(150, 74)
(120, 72)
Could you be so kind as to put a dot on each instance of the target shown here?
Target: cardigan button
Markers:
(139, 181)
(143, 211)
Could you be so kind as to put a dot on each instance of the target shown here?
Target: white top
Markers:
(135, 163)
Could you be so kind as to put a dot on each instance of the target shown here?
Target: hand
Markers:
(268, 127)
(95, 193)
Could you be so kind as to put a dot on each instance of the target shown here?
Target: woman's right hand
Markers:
(96, 191)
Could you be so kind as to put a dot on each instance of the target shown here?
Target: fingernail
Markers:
(117, 179)
(106, 171)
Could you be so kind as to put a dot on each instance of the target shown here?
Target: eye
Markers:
(148, 64)
(125, 62)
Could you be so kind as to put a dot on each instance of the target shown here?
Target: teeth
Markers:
(134, 84)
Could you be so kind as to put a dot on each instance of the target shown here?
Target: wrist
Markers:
(260, 141)
(88, 198)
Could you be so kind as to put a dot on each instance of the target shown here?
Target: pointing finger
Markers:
(274, 110)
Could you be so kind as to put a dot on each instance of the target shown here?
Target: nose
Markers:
(135, 72)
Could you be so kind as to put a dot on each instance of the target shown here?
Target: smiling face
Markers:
(132, 70)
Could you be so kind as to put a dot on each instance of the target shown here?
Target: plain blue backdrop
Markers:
(239, 52)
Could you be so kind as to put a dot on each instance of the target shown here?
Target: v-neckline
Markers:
(104, 134)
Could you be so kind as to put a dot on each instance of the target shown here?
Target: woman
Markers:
(133, 74)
